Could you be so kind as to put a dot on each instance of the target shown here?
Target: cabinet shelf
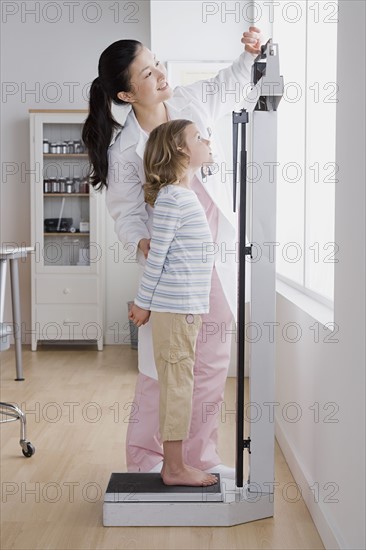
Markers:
(65, 234)
(73, 155)
(66, 194)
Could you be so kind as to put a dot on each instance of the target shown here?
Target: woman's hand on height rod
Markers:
(252, 40)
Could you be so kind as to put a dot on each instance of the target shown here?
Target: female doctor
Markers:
(130, 75)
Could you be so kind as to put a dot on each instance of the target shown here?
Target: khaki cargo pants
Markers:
(174, 341)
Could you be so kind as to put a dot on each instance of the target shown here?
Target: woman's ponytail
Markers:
(97, 133)
(99, 127)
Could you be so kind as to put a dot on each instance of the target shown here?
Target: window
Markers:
(307, 36)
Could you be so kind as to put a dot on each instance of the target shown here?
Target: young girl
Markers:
(176, 282)
(133, 79)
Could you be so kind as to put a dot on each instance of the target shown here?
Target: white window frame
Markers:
(301, 288)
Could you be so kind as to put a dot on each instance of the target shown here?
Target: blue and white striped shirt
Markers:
(177, 274)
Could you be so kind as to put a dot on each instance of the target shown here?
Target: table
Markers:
(12, 254)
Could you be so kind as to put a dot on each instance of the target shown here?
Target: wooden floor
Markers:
(77, 402)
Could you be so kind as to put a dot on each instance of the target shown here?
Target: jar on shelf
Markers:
(65, 148)
(47, 188)
(84, 186)
(51, 184)
(70, 147)
(77, 147)
(84, 226)
(62, 182)
(53, 148)
(46, 146)
(77, 182)
(69, 184)
(55, 185)
(59, 148)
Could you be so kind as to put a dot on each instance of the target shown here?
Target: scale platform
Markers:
(138, 487)
(142, 499)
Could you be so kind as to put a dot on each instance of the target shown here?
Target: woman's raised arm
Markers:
(219, 95)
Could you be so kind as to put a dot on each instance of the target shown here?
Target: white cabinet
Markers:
(67, 218)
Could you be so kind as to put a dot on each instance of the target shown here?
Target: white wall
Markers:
(199, 31)
(328, 453)
(35, 53)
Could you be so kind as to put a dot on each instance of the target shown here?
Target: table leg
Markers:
(2, 288)
(15, 298)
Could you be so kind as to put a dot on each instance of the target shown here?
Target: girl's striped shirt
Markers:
(178, 270)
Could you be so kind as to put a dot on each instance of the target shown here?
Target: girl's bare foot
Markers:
(187, 476)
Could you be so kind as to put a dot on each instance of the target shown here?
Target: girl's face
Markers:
(148, 80)
(197, 147)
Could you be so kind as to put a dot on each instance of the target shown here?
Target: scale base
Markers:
(133, 500)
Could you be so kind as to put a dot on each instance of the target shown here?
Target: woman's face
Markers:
(148, 80)
(198, 148)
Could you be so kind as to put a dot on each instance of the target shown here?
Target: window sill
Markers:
(312, 307)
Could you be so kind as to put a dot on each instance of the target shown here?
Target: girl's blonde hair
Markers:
(164, 163)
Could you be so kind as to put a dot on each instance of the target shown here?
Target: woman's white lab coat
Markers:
(202, 102)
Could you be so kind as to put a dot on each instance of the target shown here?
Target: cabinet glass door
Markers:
(66, 199)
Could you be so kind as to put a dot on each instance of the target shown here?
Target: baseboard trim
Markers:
(117, 339)
(328, 532)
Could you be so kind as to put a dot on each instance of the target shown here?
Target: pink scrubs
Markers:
(143, 446)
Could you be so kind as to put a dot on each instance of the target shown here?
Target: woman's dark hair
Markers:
(114, 77)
